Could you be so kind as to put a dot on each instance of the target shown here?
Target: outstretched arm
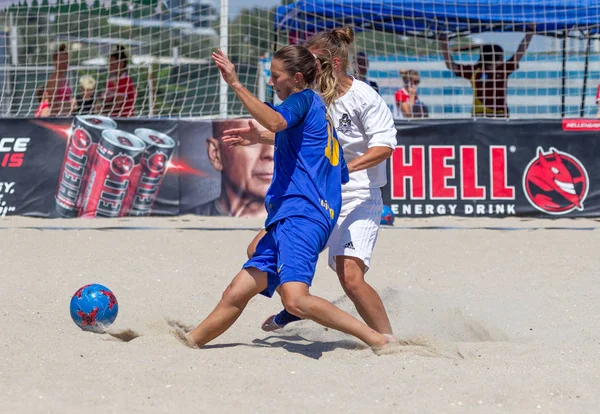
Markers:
(450, 63)
(264, 115)
(249, 135)
(464, 71)
(516, 58)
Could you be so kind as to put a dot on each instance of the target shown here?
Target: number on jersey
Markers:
(332, 150)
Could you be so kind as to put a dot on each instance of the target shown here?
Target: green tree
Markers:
(96, 6)
(44, 7)
(115, 8)
(105, 10)
(74, 7)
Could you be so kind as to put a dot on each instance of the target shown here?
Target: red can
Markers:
(146, 180)
(79, 157)
(118, 155)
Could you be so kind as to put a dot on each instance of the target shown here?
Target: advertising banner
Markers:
(98, 167)
(93, 166)
(494, 169)
(88, 167)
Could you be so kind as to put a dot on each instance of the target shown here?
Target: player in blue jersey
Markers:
(303, 202)
(365, 129)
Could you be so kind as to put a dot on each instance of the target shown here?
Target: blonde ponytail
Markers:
(327, 45)
(327, 82)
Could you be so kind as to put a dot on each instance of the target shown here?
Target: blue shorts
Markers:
(289, 252)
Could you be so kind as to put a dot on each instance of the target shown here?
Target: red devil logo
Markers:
(95, 121)
(122, 165)
(81, 140)
(156, 139)
(124, 141)
(555, 182)
(157, 162)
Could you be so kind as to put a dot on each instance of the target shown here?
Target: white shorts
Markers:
(356, 230)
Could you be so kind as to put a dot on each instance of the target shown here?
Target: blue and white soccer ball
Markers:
(387, 216)
(94, 308)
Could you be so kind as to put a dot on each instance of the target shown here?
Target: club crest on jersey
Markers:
(345, 124)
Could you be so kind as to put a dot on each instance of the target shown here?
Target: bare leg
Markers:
(252, 246)
(351, 272)
(298, 301)
(246, 284)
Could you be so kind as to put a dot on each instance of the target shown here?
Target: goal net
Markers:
(440, 59)
(494, 58)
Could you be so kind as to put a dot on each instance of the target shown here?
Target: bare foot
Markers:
(176, 324)
(395, 345)
(389, 340)
(182, 336)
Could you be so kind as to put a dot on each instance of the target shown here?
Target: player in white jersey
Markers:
(366, 130)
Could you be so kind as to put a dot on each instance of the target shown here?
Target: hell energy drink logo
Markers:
(555, 182)
(79, 157)
(118, 155)
(146, 180)
(447, 180)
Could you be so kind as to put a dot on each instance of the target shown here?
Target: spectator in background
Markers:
(43, 109)
(407, 100)
(84, 103)
(489, 76)
(246, 173)
(58, 91)
(118, 99)
(362, 68)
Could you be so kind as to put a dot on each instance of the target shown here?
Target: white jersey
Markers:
(363, 120)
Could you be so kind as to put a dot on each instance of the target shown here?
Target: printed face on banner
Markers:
(246, 172)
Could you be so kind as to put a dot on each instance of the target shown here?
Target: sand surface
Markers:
(512, 315)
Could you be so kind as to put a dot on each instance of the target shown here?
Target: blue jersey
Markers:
(309, 164)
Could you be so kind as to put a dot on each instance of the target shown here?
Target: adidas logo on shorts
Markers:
(349, 245)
